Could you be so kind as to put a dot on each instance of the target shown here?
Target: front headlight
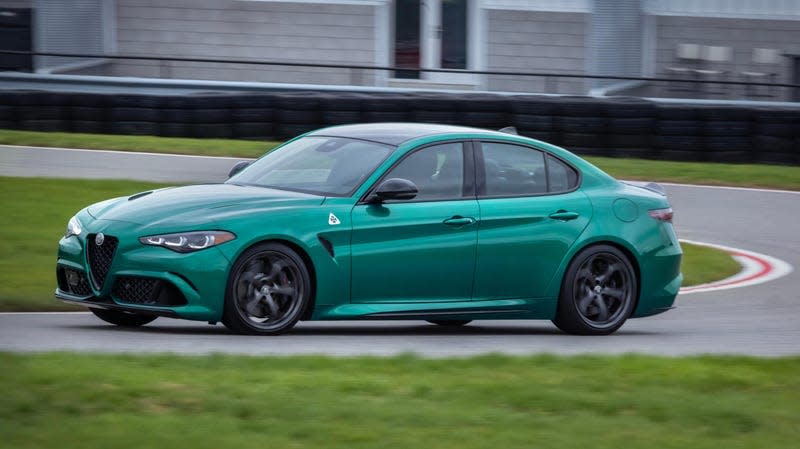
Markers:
(73, 227)
(186, 242)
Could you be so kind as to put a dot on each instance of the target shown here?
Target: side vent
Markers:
(326, 244)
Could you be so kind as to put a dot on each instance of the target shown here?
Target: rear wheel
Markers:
(598, 292)
(450, 323)
(268, 290)
(124, 319)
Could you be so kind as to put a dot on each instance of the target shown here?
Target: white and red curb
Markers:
(757, 268)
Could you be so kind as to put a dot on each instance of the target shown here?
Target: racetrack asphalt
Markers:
(755, 320)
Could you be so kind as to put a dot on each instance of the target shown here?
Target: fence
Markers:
(357, 74)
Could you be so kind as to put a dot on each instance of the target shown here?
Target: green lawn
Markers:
(741, 175)
(702, 264)
(152, 144)
(36, 212)
(747, 175)
(91, 401)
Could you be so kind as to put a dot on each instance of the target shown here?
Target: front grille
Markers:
(100, 257)
(73, 281)
(146, 291)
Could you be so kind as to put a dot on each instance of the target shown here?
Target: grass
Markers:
(702, 264)
(36, 212)
(745, 175)
(152, 144)
(741, 175)
(93, 401)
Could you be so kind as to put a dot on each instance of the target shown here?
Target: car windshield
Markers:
(330, 166)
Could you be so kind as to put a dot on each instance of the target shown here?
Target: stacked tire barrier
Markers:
(617, 127)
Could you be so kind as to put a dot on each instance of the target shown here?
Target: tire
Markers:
(624, 107)
(386, 116)
(642, 125)
(629, 140)
(727, 129)
(724, 113)
(170, 129)
(585, 140)
(253, 115)
(485, 119)
(135, 128)
(679, 128)
(533, 105)
(332, 117)
(89, 127)
(41, 112)
(251, 130)
(682, 143)
(250, 307)
(90, 114)
(203, 116)
(586, 291)
(44, 125)
(123, 319)
(291, 130)
(298, 116)
(785, 130)
(533, 122)
(582, 125)
(211, 130)
(134, 101)
(580, 107)
(677, 112)
(444, 117)
(450, 323)
(135, 115)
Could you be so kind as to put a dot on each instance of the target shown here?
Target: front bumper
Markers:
(141, 278)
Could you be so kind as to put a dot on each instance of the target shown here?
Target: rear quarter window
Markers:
(560, 176)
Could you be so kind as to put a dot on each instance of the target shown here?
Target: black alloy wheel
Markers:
(598, 292)
(268, 290)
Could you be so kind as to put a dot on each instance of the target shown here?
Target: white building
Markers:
(576, 37)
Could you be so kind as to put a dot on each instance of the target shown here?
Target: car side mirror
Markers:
(241, 165)
(393, 189)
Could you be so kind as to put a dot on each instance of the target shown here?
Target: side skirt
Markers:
(500, 309)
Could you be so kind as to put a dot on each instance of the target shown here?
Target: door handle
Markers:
(564, 215)
(458, 220)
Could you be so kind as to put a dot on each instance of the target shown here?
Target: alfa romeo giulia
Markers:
(382, 221)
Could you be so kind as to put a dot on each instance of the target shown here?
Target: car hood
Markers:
(196, 205)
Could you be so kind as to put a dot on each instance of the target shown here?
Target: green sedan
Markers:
(382, 221)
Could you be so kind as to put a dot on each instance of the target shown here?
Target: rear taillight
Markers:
(661, 214)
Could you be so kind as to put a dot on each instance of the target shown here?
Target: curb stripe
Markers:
(756, 269)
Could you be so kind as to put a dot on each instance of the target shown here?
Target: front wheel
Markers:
(598, 292)
(124, 319)
(268, 290)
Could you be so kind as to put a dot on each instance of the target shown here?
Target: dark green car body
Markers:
(475, 255)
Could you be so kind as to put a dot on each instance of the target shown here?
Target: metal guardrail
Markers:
(545, 75)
